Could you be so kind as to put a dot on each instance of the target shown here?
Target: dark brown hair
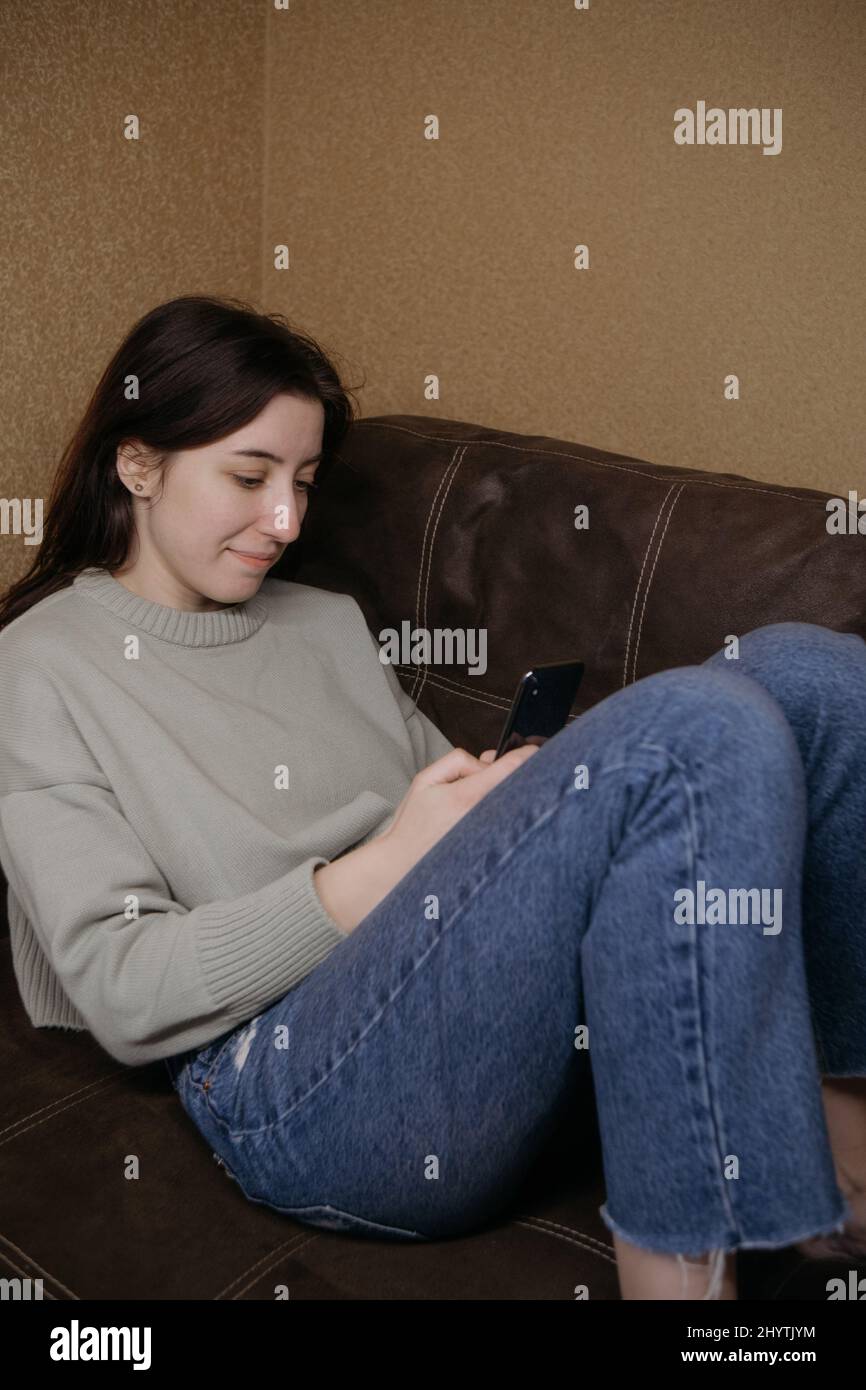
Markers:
(201, 367)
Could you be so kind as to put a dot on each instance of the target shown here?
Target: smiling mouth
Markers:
(251, 555)
(260, 563)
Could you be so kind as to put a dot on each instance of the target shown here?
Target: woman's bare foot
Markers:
(850, 1242)
(651, 1274)
(844, 1100)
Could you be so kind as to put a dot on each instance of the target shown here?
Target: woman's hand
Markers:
(441, 794)
(350, 886)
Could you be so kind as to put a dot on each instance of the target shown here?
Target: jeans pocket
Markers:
(203, 1066)
(194, 1076)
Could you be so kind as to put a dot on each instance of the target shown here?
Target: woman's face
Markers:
(220, 504)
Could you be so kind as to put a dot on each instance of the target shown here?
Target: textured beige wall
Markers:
(452, 257)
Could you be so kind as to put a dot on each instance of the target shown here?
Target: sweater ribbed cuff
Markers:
(251, 956)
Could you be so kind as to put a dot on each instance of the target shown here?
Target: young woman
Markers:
(370, 960)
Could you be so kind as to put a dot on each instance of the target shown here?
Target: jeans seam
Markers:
(365, 1225)
(693, 800)
(699, 958)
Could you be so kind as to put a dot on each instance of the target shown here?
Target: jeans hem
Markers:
(687, 1244)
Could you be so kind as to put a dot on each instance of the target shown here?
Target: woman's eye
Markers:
(247, 483)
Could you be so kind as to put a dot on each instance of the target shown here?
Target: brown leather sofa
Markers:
(448, 525)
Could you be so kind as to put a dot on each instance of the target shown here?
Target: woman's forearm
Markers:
(354, 884)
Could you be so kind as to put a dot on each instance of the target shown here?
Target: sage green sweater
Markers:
(169, 781)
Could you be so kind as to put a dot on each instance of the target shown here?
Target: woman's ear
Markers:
(134, 461)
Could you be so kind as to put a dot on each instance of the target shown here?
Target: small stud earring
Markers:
(139, 487)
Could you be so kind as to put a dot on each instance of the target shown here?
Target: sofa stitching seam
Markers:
(453, 467)
(650, 579)
(640, 581)
(599, 463)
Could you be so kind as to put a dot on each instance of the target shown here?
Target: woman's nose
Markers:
(282, 520)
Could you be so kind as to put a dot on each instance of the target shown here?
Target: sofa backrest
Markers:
(448, 525)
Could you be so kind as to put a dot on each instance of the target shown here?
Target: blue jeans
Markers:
(406, 1086)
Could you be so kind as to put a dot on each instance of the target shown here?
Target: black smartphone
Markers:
(541, 704)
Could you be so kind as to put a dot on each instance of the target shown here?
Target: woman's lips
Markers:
(255, 561)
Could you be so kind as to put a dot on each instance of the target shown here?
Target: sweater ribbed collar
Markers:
(187, 629)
